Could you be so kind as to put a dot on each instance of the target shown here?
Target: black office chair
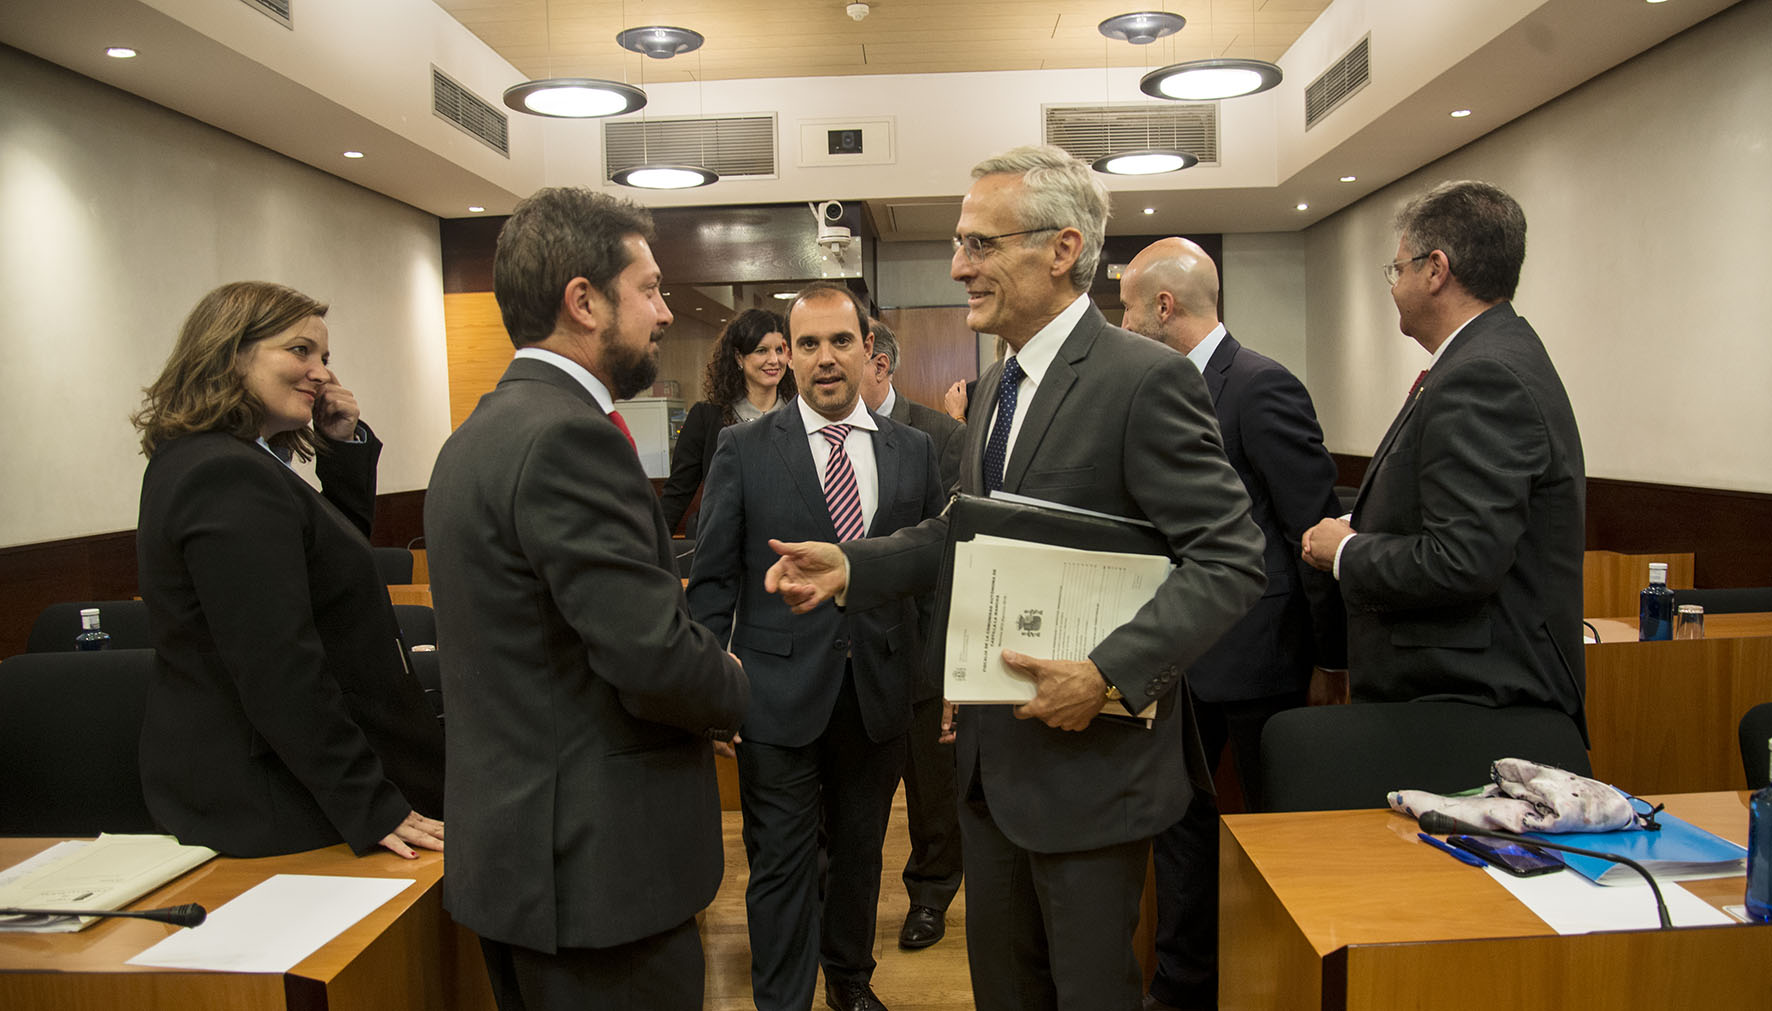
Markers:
(1728, 601)
(394, 565)
(683, 548)
(418, 624)
(58, 624)
(70, 734)
(1756, 738)
(1330, 758)
(1345, 494)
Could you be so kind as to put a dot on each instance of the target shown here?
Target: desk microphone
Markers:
(1435, 823)
(188, 915)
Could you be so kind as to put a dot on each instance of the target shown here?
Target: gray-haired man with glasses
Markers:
(1057, 807)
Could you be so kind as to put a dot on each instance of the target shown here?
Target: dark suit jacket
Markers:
(764, 484)
(282, 716)
(583, 810)
(1272, 438)
(1464, 582)
(1122, 425)
(945, 432)
(691, 460)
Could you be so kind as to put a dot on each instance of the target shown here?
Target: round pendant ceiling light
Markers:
(1210, 80)
(665, 177)
(1144, 163)
(1141, 28)
(574, 97)
(661, 42)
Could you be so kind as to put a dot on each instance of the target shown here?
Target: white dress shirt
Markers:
(858, 446)
(1035, 357)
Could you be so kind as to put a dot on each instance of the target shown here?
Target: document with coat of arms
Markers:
(1039, 599)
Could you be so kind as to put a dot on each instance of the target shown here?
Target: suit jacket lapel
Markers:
(887, 448)
(1219, 364)
(1054, 385)
(978, 427)
(795, 453)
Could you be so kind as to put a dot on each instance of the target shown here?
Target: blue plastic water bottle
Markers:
(1655, 616)
(91, 637)
(1759, 852)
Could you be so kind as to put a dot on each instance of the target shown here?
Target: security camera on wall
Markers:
(836, 243)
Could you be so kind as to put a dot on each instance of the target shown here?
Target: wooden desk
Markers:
(1347, 909)
(1662, 716)
(405, 954)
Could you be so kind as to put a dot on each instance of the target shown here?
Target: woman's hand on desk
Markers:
(416, 830)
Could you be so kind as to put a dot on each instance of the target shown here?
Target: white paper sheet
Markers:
(275, 924)
(1571, 904)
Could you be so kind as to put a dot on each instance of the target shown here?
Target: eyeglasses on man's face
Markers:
(977, 247)
(1394, 269)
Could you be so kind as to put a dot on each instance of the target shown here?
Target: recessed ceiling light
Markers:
(1304, 207)
(475, 208)
(1150, 210)
(1460, 113)
(1347, 179)
(353, 154)
(120, 52)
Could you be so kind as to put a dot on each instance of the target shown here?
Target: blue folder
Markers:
(1678, 852)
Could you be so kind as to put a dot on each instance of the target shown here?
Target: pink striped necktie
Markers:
(840, 494)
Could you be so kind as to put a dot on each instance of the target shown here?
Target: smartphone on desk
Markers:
(1518, 859)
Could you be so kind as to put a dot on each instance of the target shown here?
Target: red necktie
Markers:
(615, 416)
(1413, 390)
(840, 493)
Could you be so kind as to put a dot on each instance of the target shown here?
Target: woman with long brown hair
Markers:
(747, 376)
(282, 716)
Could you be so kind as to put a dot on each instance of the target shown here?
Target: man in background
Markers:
(584, 817)
(824, 741)
(1264, 663)
(932, 874)
(1462, 565)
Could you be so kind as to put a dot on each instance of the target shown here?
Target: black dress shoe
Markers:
(851, 997)
(923, 926)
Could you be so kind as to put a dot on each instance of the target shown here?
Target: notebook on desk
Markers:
(1678, 852)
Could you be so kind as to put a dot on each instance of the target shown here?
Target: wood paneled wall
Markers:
(935, 347)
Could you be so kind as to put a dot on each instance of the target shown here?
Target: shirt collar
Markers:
(1441, 350)
(1037, 354)
(592, 384)
(1203, 351)
(886, 405)
(813, 421)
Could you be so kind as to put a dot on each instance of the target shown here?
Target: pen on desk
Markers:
(1455, 851)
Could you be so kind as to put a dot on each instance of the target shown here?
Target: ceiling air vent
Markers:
(1337, 84)
(276, 10)
(466, 110)
(734, 146)
(1091, 131)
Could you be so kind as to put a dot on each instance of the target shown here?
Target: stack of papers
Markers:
(109, 873)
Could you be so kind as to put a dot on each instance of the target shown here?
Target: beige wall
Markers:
(1648, 197)
(116, 215)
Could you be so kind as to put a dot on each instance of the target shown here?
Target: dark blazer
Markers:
(764, 484)
(583, 806)
(1464, 581)
(691, 460)
(282, 716)
(1123, 425)
(1272, 439)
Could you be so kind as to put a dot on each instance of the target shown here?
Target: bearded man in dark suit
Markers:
(584, 814)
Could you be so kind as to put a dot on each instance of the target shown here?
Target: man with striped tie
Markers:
(824, 739)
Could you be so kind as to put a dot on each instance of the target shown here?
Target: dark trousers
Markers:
(663, 972)
(844, 782)
(932, 874)
(1049, 931)
(1186, 855)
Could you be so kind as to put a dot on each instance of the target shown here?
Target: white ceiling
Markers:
(354, 74)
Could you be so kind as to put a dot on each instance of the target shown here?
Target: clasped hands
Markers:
(1067, 693)
(1320, 542)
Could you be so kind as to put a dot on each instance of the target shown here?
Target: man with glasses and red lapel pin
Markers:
(824, 740)
(1057, 808)
(1461, 567)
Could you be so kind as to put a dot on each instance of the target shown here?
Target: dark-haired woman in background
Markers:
(282, 716)
(747, 376)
